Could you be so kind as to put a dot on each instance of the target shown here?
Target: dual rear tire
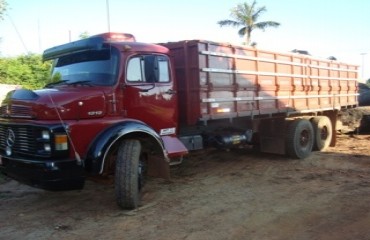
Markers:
(304, 135)
(323, 132)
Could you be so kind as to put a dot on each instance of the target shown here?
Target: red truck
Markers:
(119, 107)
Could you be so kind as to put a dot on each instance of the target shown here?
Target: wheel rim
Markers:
(304, 138)
(324, 133)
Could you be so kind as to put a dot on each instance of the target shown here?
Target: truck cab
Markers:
(109, 97)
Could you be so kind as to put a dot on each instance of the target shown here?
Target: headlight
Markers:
(45, 135)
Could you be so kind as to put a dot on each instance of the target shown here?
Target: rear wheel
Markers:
(128, 174)
(299, 139)
(323, 132)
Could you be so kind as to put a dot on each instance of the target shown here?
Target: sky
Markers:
(322, 27)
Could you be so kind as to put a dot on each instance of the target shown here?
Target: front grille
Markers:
(15, 111)
(25, 140)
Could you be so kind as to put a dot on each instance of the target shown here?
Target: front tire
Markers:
(127, 175)
(299, 139)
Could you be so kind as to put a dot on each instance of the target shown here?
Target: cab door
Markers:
(149, 94)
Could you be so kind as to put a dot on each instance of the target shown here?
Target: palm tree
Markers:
(246, 16)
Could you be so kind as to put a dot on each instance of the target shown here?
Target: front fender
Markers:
(101, 145)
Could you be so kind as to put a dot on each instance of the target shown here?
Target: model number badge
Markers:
(168, 131)
(95, 113)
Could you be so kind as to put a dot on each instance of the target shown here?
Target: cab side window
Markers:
(164, 69)
(148, 69)
(134, 70)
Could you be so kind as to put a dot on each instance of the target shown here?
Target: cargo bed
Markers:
(217, 81)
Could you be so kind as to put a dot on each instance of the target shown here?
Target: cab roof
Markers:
(122, 41)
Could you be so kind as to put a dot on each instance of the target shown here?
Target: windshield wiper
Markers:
(82, 82)
(68, 82)
(52, 84)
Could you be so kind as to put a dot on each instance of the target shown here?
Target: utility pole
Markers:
(363, 65)
(108, 17)
(39, 33)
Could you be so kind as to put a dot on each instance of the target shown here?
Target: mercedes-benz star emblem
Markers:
(10, 138)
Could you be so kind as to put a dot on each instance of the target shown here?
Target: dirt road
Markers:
(213, 195)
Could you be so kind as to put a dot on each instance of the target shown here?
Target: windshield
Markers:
(94, 67)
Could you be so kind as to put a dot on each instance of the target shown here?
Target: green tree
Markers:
(3, 7)
(246, 16)
(29, 71)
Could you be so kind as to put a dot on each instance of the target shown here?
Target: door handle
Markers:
(170, 92)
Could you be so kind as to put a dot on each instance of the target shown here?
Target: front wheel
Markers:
(299, 139)
(128, 174)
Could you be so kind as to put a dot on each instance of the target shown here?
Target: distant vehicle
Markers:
(364, 97)
(123, 108)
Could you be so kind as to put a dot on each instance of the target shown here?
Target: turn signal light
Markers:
(223, 110)
(61, 142)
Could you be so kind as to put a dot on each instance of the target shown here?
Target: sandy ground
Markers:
(213, 195)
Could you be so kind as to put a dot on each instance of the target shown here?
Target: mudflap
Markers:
(158, 167)
(272, 135)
